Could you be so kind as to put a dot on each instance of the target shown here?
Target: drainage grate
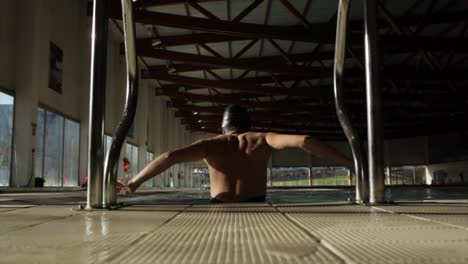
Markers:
(227, 234)
(384, 237)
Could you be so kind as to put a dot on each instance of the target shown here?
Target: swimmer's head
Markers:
(235, 119)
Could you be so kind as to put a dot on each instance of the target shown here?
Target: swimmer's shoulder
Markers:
(258, 137)
(212, 144)
(219, 139)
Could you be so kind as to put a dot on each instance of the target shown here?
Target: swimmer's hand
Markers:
(123, 187)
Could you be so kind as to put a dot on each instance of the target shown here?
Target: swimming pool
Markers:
(303, 195)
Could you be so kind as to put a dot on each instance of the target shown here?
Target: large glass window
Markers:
(6, 136)
(304, 176)
(403, 175)
(134, 161)
(39, 150)
(331, 176)
(149, 157)
(201, 178)
(290, 176)
(131, 153)
(57, 149)
(71, 153)
(53, 151)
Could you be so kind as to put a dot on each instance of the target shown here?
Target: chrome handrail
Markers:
(112, 158)
(351, 135)
(97, 104)
(375, 137)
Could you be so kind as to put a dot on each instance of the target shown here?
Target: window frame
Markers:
(79, 148)
(149, 152)
(12, 145)
(289, 168)
(334, 168)
(46, 109)
(204, 172)
(148, 161)
(131, 158)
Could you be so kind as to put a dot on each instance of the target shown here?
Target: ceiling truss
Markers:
(423, 76)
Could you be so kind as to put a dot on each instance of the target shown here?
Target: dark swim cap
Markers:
(236, 118)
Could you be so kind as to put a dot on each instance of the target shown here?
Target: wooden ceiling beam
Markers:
(156, 3)
(327, 111)
(284, 116)
(250, 30)
(334, 138)
(389, 44)
(193, 62)
(325, 120)
(240, 86)
(256, 80)
(313, 130)
(351, 97)
(328, 124)
(290, 104)
(318, 32)
(264, 60)
(277, 107)
(323, 137)
(205, 62)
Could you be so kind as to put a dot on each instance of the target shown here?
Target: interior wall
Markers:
(23, 83)
(454, 172)
(7, 34)
(448, 147)
(27, 28)
(406, 151)
(36, 25)
(63, 23)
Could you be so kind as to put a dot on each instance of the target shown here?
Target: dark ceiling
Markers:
(276, 59)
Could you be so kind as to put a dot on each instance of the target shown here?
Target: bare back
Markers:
(237, 162)
(238, 165)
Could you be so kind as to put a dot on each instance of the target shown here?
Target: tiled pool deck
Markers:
(334, 232)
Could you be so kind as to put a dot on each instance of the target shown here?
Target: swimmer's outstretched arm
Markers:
(307, 143)
(193, 152)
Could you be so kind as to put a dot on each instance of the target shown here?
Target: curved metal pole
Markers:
(112, 159)
(351, 135)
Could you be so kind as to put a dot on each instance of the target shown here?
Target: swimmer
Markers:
(237, 159)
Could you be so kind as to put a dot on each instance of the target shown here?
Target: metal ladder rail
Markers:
(351, 135)
(112, 159)
(97, 104)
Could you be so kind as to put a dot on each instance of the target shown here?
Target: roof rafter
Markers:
(394, 72)
(232, 85)
(249, 30)
(218, 62)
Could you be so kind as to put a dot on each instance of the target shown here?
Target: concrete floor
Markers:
(435, 232)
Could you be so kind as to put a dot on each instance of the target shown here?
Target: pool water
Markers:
(305, 195)
(391, 194)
